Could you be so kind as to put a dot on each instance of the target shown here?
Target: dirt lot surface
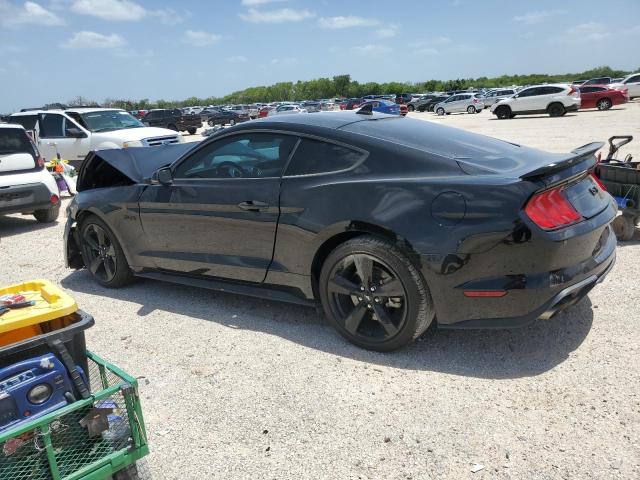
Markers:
(235, 387)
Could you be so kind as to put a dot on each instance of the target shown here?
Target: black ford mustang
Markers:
(391, 224)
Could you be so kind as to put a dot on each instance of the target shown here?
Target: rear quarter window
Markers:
(316, 156)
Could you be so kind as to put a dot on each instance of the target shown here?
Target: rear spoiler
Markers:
(577, 155)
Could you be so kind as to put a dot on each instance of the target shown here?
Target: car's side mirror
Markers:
(74, 132)
(162, 176)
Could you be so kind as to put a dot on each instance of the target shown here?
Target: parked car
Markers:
(350, 103)
(459, 229)
(416, 103)
(597, 81)
(287, 109)
(631, 83)
(382, 106)
(25, 184)
(74, 132)
(251, 112)
(403, 98)
(602, 97)
(555, 100)
(462, 102)
(311, 106)
(430, 104)
(193, 110)
(218, 116)
(173, 119)
(496, 95)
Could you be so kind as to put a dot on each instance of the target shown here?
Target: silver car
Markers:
(461, 102)
(496, 95)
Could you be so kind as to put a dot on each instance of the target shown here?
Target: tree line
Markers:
(344, 86)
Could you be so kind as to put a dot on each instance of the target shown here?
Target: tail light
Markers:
(55, 199)
(39, 161)
(550, 210)
(475, 100)
(573, 91)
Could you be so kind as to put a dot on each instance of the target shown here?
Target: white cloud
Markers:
(198, 38)
(276, 16)
(255, 3)
(168, 16)
(371, 50)
(29, 13)
(346, 22)
(540, 16)
(116, 10)
(430, 46)
(284, 61)
(589, 31)
(86, 39)
(237, 59)
(388, 31)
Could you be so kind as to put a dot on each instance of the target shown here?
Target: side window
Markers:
(51, 125)
(634, 79)
(315, 156)
(530, 92)
(27, 121)
(587, 89)
(250, 155)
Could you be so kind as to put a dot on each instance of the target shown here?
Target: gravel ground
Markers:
(236, 387)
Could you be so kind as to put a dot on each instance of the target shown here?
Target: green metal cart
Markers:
(60, 446)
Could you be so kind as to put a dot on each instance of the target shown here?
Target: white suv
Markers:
(556, 100)
(25, 185)
(631, 83)
(77, 131)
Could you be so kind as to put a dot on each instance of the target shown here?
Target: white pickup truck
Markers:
(74, 132)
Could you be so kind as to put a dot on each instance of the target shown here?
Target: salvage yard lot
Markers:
(235, 387)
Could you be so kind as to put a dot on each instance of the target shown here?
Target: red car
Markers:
(602, 97)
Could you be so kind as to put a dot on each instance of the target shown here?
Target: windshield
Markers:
(109, 120)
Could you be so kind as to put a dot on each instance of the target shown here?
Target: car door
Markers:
(588, 96)
(633, 86)
(218, 215)
(58, 133)
(525, 100)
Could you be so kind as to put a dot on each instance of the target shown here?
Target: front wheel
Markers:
(232, 122)
(411, 108)
(211, 123)
(604, 104)
(103, 255)
(192, 131)
(373, 295)
(440, 111)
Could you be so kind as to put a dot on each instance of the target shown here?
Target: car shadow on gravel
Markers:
(533, 117)
(495, 354)
(14, 225)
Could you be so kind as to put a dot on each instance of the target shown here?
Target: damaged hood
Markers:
(137, 164)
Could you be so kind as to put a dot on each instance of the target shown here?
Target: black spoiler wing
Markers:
(578, 155)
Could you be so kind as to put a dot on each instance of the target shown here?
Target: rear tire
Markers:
(604, 104)
(373, 295)
(624, 227)
(471, 109)
(556, 110)
(232, 122)
(503, 112)
(102, 254)
(411, 108)
(192, 131)
(211, 123)
(47, 216)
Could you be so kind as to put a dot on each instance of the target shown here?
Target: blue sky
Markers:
(54, 50)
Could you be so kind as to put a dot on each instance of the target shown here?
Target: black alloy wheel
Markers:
(373, 295)
(556, 110)
(503, 112)
(102, 254)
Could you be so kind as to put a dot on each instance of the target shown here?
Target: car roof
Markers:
(72, 110)
(332, 120)
(11, 125)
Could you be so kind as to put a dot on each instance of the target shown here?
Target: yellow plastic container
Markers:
(51, 303)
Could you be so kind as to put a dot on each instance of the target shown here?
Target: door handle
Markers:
(253, 206)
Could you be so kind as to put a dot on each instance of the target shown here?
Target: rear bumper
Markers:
(572, 108)
(24, 198)
(555, 276)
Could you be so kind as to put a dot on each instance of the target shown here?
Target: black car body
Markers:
(419, 102)
(430, 104)
(463, 228)
(219, 116)
(174, 119)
